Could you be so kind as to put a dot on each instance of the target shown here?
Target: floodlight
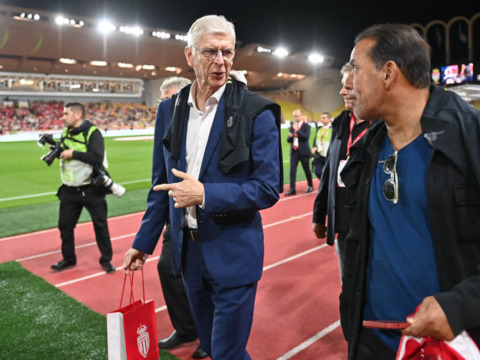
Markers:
(316, 58)
(98, 63)
(106, 26)
(281, 52)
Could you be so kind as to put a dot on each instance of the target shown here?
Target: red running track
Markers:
(296, 312)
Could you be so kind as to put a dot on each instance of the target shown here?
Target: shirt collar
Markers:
(217, 95)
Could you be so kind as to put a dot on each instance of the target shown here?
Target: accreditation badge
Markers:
(341, 165)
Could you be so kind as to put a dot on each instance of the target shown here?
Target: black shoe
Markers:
(62, 265)
(290, 192)
(109, 268)
(309, 189)
(173, 341)
(199, 353)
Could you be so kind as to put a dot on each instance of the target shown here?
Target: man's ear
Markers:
(188, 55)
(390, 73)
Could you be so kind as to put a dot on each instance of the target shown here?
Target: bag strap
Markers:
(130, 276)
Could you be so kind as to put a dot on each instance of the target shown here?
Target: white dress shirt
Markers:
(198, 132)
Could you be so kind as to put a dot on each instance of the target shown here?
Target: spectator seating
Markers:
(47, 115)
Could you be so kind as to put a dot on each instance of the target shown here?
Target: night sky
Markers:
(303, 25)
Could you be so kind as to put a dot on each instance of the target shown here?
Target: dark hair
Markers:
(76, 107)
(403, 45)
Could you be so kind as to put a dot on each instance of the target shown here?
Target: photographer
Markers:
(84, 153)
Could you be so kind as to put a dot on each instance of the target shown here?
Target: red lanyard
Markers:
(299, 126)
(350, 142)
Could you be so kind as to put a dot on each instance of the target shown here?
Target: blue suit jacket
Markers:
(230, 226)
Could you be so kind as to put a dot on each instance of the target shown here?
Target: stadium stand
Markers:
(47, 115)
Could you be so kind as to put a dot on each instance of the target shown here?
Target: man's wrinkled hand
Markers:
(134, 260)
(186, 193)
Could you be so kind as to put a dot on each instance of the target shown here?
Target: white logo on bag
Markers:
(143, 340)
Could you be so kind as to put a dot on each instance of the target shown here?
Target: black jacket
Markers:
(452, 128)
(325, 201)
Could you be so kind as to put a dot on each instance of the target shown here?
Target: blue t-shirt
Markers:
(402, 269)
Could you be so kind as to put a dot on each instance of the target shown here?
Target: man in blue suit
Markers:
(219, 163)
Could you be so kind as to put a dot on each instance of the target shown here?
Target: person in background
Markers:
(413, 249)
(298, 138)
(172, 285)
(332, 196)
(321, 142)
(219, 164)
(83, 155)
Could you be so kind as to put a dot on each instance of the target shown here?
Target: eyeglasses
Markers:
(390, 187)
(211, 54)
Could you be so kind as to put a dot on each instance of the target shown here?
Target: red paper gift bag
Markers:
(460, 348)
(132, 329)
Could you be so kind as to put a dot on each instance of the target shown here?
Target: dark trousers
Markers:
(174, 292)
(223, 316)
(370, 347)
(295, 157)
(318, 163)
(72, 201)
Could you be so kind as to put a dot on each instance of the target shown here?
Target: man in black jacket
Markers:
(414, 240)
(332, 195)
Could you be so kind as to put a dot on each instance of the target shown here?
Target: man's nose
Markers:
(219, 57)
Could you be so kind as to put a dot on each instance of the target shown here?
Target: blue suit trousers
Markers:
(223, 315)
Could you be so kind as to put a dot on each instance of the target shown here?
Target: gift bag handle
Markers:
(130, 276)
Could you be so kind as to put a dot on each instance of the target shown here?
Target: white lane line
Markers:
(16, 237)
(87, 223)
(70, 282)
(93, 275)
(54, 192)
(297, 217)
(271, 266)
(80, 279)
(76, 247)
(310, 341)
(28, 196)
(291, 258)
(265, 268)
(162, 308)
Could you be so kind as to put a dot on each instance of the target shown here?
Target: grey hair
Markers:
(174, 81)
(210, 24)
(346, 68)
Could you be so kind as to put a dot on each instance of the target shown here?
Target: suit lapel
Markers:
(182, 159)
(215, 135)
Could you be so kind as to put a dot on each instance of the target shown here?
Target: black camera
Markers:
(102, 178)
(56, 148)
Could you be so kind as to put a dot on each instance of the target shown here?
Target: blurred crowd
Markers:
(46, 115)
